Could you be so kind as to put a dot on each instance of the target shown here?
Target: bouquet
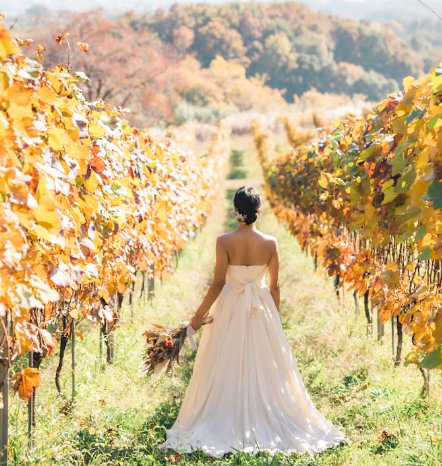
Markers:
(164, 347)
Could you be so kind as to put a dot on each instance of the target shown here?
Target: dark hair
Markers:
(247, 201)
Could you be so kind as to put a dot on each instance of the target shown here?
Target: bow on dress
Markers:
(253, 292)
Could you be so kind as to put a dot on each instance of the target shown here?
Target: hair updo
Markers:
(247, 201)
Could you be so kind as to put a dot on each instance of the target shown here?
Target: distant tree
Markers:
(374, 49)
(346, 74)
(277, 61)
(217, 38)
(251, 27)
(224, 85)
(38, 10)
(183, 38)
(373, 85)
(123, 64)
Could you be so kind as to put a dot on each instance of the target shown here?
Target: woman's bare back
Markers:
(245, 246)
(248, 247)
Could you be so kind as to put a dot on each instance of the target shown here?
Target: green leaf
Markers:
(399, 163)
(437, 82)
(389, 195)
(81, 76)
(367, 152)
(353, 148)
(435, 123)
(404, 182)
(432, 360)
(421, 232)
(5, 80)
(409, 358)
(416, 114)
(434, 194)
(425, 254)
(398, 126)
(339, 181)
(411, 212)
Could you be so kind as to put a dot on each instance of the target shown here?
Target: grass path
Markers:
(119, 419)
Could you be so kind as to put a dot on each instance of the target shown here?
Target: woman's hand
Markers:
(196, 322)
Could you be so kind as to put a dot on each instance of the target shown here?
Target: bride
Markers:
(246, 392)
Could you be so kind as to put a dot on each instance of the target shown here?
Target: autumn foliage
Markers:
(86, 201)
(366, 199)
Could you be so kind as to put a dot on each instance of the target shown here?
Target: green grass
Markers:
(236, 160)
(118, 419)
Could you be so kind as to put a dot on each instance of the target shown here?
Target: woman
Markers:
(246, 392)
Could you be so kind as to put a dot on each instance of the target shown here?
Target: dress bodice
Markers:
(249, 281)
(238, 275)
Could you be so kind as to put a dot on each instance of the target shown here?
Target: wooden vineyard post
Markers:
(100, 362)
(110, 345)
(107, 329)
(380, 326)
(73, 358)
(336, 284)
(107, 338)
(4, 380)
(176, 256)
(343, 294)
(368, 314)
(426, 387)
(116, 301)
(428, 383)
(392, 337)
(315, 262)
(143, 287)
(151, 283)
(397, 360)
(131, 301)
(355, 296)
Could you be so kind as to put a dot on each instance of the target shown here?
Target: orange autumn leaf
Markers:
(61, 38)
(25, 381)
(24, 42)
(49, 340)
(83, 46)
(159, 326)
(97, 164)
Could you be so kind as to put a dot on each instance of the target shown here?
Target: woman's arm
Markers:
(217, 285)
(274, 274)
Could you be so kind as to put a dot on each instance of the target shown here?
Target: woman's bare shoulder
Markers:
(224, 238)
(269, 238)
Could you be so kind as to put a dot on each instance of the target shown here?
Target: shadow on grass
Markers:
(126, 445)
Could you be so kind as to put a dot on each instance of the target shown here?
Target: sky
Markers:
(358, 9)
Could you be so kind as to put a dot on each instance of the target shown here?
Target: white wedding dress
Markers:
(246, 392)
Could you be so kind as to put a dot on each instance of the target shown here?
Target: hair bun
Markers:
(251, 217)
(247, 202)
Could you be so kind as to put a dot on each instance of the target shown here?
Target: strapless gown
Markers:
(246, 392)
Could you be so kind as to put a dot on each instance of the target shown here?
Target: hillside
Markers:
(207, 61)
(297, 48)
